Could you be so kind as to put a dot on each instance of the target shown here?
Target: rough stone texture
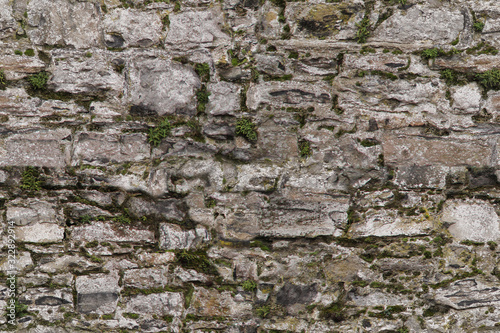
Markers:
(247, 166)
(97, 294)
(172, 237)
(64, 23)
(471, 220)
(160, 86)
(135, 28)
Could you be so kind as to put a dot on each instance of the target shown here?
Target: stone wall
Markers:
(250, 165)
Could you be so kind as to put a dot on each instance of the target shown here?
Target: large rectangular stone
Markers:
(105, 232)
(34, 148)
(420, 151)
(102, 148)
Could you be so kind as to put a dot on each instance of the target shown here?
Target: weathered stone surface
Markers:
(292, 294)
(77, 73)
(48, 302)
(288, 94)
(471, 220)
(166, 209)
(134, 27)
(106, 232)
(304, 215)
(162, 86)
(209, 302)
(64, 23)
(420, 151)
(97, 148)
(32, 211)
(224, 98)
(389, 223)
(170, 304)
(172, 237)
(68, 263)
(97, 293)
(413, 176)
(196, 29)
(469, 293)
(421, 24)
(40, 233)
(18, 149)
(16, 67)
(146, 278)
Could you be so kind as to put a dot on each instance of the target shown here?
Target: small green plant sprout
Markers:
(202, 96)
(431, 53)
(29, 52)
(263, 311)
(38, 81)
(30, 180)
(304, 149)
(249, 285)
(402, 2)
(490, 80)
(247, 129)
(363, 30)
(3, 80)
(478, 26)
(203, 71)
(158, 133)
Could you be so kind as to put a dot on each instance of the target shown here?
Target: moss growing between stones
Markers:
(197, 260)
(363, 31)
(490, 80)
(38, 81)
(202, 98)
(263, 311)
(30, 180)
(249, 285)
(203, 71)
(304, 149)
(29, 52)
(247, 129)
(158, 133)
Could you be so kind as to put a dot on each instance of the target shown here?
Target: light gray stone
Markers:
(40, 233)
(32, 211)
(134, 27)
(64, 23)
(97, 293)
(419, 151)
(146, 278)
(162, 209)
(224, 98)
(99, 148)
(469, 293)
(168, 303)
(49, 145)
(48, 303)
(289, 94)
(68, 263)
(77, 73)
(196, 29)
(384, 223)
(471, 220)
(7, 23)
(162, 87)
(106, 232)
(421, 24)
(173, 237)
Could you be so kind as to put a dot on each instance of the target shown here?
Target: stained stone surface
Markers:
(247, 166)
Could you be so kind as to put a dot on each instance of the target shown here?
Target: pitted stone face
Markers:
(471, 220)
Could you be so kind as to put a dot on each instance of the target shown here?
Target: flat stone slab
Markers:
(174, 237)
(106, 232)
(471, 220)
(414, 150)
(469, 293)
(40, 233)
(383, 223)
(97, 293)
(421, 24)
(168, 303)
